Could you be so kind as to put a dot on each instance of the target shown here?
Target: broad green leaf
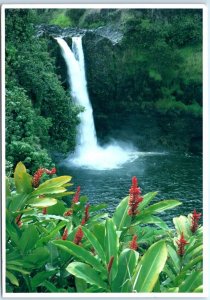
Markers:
(80, 253)
(12, 278)
(29, 238)
(40, 277)
(182, 225)
(199, 289)
(42, 202)
(50, 286)
(85, 272)
(23, 181)
(127, 262)
(173, 290)
(120, 216)
(17, 202)
(47, 191)
(161, 206)
(38, 257)
(111, 245)
(99, 232)
(81, 285)
(191, 264)
(192, 282)
(146, 200)
(149, 268)
(58, 209)
(149, 219)
(96, 245)
(17, 269)
(174, 258)
(55, 182)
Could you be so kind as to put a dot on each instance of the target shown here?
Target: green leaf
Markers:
(96, 245)
(147, 199)
(80, 253)
(50, 286)
(55, 182)
(121, 217)
(182, 225)
(81, 285)
(47, 191)
(99, 232)
(23, 181)
(199, 289)
(149, 219)
(192, 282)
(85, 272)
(29, 238)
(149, 268)
(100, 206)
(161, 206)
(17, 269)
(40, 277)
(12, 278)
(174, 258)
(38, 257)
(111, 245)
(127, 262)
(57, 209)
(42, 202)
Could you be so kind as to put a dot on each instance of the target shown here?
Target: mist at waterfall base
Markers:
(88, 153)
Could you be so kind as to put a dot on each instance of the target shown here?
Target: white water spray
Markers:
(88, 153)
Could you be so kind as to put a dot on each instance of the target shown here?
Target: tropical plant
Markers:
(54, 247)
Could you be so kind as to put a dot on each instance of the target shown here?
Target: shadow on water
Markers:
(174, 176)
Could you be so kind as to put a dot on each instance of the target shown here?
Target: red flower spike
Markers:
(78, 236)
(133, 244)
(181, 242)
(87, 216)
(44, 210)
(76, 196)
(195, 219)
(50, 172)
(37, 176)
(68, 213)
(109, 266)
(135, 197)
(65, 234)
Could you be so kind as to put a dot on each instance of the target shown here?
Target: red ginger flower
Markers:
(65, 234)
(78, 236)
(87, 216)
(181, 242)
(68, 212)
(195, 218)
(38, 174)
(76, 196)
(135, 197)
(133, 244)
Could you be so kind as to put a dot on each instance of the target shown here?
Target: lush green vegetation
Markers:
(40, 116)
(54, 248)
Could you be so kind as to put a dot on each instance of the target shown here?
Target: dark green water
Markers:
(175, 176)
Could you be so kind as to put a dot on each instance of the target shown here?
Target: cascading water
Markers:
(88, 153)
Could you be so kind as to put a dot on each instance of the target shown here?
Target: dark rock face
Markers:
(116, 91)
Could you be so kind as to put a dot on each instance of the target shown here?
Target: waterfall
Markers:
(88, 153)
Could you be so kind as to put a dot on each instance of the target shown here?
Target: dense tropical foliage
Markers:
(152, 76)
(55, 248)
